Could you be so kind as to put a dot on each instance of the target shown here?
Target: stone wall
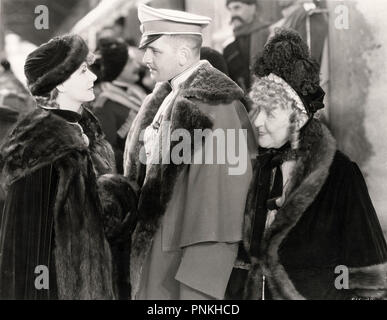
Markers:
(358, 95)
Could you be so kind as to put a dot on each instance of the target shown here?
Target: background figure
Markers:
(145, 81)
(118, 98)
(14, 102)
(12, 92)
(215, 58)
(130, 77)
(296, 14)
(217, 61)
(251, 33)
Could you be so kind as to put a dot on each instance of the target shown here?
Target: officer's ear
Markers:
(184, 53)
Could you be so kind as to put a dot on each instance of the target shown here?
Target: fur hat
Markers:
(287, 56)
(112, 56)
(215, 58)
(54, 62)
(243, 1)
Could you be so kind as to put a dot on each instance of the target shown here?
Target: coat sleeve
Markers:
(119, 202)
(364, 245)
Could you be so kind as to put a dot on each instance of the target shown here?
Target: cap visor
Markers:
(146, 40)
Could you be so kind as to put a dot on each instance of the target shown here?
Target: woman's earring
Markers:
(294, 132)
(294, 139)
(60, 88)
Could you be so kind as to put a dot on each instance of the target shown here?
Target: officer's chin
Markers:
(157, 77)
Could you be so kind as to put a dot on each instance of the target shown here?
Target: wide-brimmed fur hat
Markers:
(54, 62)
(287, 55)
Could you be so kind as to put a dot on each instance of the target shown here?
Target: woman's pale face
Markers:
(79, 87)
(272, 125)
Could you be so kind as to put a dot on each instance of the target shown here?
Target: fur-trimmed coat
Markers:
(204, 98)
(325, 236)
(53, 212)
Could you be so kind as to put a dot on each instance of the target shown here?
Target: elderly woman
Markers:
(52, 243)
(311, 231)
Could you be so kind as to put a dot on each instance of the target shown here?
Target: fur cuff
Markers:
(119, 202)
(371, 277)
(253, 287)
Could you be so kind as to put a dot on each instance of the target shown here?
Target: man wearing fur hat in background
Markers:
(250, 35)
(116, 105)
(189, 215)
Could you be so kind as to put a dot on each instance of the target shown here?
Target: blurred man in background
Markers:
(215, 58)
(250, 35)
(129, 78)
(118, 99)
(14, 101)
(297, 14)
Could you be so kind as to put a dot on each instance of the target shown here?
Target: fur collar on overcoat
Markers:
(206, 85)
(82, 255)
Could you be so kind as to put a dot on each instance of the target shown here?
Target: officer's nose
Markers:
(147, 57)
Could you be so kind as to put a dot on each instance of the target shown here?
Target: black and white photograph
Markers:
(174, 150)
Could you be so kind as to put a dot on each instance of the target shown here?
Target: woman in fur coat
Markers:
(310, 229)
(52, 241)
